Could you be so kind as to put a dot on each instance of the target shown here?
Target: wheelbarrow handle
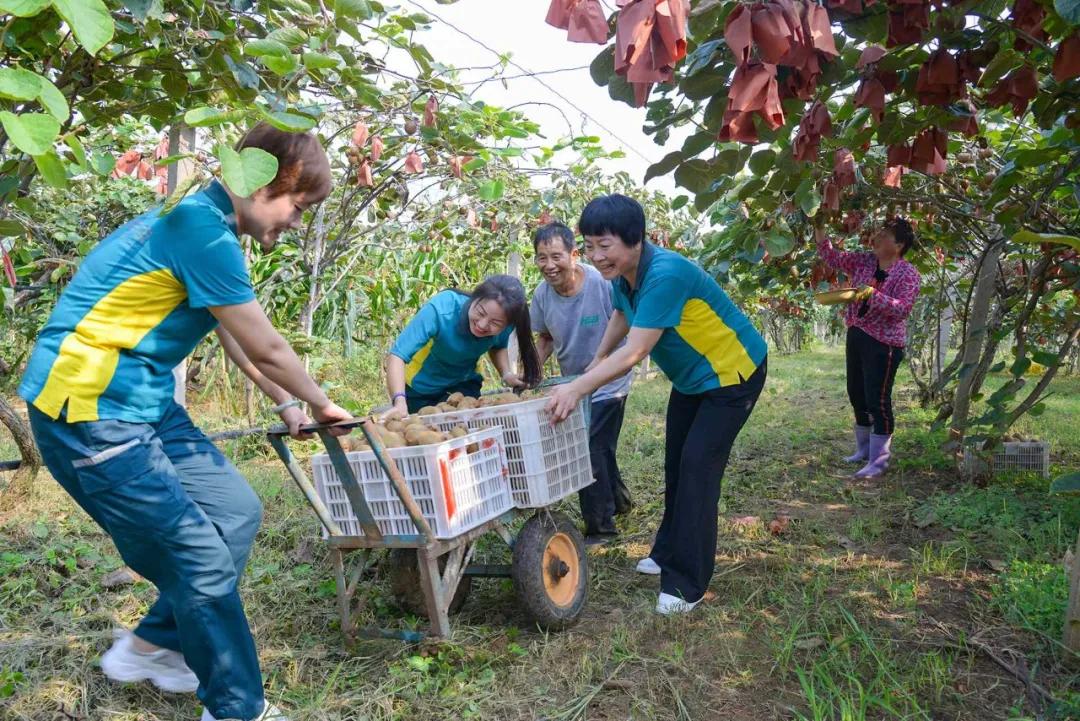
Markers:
(282, 430)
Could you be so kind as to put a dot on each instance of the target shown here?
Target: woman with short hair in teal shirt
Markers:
(438, 351)
(670, 308)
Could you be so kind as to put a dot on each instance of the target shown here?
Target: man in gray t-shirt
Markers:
(569, 312)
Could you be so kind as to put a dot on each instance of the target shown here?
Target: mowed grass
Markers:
(882, 600)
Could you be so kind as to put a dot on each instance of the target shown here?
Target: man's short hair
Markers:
(554, 231)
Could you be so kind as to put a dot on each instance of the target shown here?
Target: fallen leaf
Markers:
(120, 577)
(997, 564)
(807, 644)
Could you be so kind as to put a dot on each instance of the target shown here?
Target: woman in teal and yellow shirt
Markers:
(438, 351)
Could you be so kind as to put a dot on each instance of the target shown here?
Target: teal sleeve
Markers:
(205, 256)
(423, 327)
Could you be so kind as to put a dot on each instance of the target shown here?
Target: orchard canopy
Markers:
(959, 115)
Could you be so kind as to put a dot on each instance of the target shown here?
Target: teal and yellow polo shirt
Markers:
(438, 348)
(137, 306)
(707, 341)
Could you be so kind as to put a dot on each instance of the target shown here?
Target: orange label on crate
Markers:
(448, 488)
(488, 442)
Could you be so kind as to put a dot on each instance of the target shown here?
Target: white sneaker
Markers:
(648, 566)
(270, 712)
(163, 668)
(669, 605)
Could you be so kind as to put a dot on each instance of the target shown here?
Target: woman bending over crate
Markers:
(716, 360)
(437, 353)
(99, 386)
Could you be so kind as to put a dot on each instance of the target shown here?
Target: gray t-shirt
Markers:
(576, 323)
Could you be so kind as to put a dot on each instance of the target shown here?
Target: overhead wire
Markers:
(627, 145)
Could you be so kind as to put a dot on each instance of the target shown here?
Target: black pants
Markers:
(600, 498)
(416, 401)
(701, 429)
(871, 370)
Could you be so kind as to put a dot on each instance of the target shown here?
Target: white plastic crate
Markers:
(547, 462)
(455, 490)
(1012, 456)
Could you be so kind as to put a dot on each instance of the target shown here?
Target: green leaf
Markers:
(665, 166)
(32, 133)
(474, 164)
(694, 175)
(750, 187)
(1002, 63)
(353, 8)
(258, 48)
(181, 191)
(52, 169)
(779, 244)
(1044, 358)
(680, 201)
(1068, 483)
(1069, 10)
(728, 161)
(142, 9)
(77, 150)
(697, 143)
(89, 20)
(175, 84)
(492, 190)
(807, 197)
(19, 84)
(1027, 236)
(11, 228)
(603, 66)
(246, 171)
(1020, 366)
(280, 64)
(23, 8)
(320, 61)
(290, 37)
(102, 163)
(53, 100)
(205, 116)
(289, 122)
(762, 161)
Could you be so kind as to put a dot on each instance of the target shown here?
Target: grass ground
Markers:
(884, 600)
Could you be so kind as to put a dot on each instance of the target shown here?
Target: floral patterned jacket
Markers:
(885, 319)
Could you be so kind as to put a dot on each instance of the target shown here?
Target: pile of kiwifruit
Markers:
(398, 433)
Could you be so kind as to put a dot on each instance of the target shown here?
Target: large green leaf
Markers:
(19, 84)
(603, 66)
(292, 37)
(280, 64)
(53, 100)
(258, 48)
(289, 122)
(778, 243)
(320, 61)
(32, 133)
(52, 169)
(762, 161)
(205, 116)
(1068, 483)
(665, 166)
(246, 171)
(694, 175)
(1069, 10)
(23, 8)
(354, 9)
(492, 190)
(11, 228)
(77, 150)
(1027, 236)
(89, 20)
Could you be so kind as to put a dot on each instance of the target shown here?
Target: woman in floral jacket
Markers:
(876, 321)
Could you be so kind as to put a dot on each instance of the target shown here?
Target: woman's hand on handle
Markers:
(333, 413)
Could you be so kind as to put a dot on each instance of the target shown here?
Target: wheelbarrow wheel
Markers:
(550, 571)
(406, 587)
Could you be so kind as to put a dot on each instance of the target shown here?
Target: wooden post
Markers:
(1071, 637)
(179, 137)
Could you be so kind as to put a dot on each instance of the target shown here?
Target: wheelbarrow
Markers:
(431, 576)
